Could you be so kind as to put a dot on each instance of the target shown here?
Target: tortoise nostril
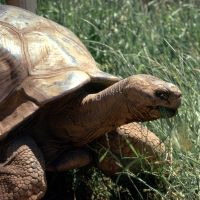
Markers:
(179, 95)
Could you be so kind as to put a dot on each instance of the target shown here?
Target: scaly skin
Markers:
(63, 127)
(89, 116)
(22, 174)
(130, 143)
(45, 69)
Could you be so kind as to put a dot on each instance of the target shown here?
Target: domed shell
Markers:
(40, 61)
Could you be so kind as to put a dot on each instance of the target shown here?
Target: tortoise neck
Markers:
(92, 115)
(107, 107)
(100, 113)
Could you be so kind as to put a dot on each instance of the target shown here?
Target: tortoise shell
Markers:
(40, 61)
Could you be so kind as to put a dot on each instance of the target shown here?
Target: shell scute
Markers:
(40, 61)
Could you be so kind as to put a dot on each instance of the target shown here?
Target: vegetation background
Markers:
(158, 37)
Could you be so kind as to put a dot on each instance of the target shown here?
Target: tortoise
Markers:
(55, 102)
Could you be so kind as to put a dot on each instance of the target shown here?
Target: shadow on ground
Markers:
(63, 186)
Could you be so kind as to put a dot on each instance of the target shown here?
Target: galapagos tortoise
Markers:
(54, 101)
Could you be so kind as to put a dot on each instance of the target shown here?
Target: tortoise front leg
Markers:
(22, 174)
(131, 146)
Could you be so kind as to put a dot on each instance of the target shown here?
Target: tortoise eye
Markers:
(164, 95)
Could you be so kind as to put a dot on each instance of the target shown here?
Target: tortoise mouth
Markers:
(165, 112)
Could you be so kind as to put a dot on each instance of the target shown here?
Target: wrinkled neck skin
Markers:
(93, 115)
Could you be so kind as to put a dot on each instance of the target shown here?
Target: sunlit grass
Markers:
(163, 39)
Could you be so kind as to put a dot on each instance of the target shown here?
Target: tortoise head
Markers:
(153, 98)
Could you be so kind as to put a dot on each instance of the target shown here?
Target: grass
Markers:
(161, 38)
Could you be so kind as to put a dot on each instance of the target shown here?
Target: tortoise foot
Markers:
(22, 173)
(130, 146)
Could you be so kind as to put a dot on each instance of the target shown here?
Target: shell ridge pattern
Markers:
(71, 38)
(2, 10)
(56, 73)
(71, 59)
(23, 46)
(53, 62)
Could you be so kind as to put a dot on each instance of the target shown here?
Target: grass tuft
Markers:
(161, 38)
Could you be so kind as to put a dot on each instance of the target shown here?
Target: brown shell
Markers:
(39, 62)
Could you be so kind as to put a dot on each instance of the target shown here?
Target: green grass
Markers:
(163, 39)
